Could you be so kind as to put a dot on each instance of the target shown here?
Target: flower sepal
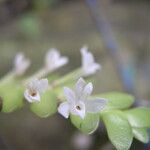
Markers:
(47, 105)
(11, 94)
(87, 125)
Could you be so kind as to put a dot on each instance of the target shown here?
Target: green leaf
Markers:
(139, 117)
(118, 129)
(141, 134)
(87, 125)
(12, 96)
(46, 107)
(117, 100)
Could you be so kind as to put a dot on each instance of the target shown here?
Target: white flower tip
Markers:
(82, 89)
(98, 67)
(69, 94)
(101, 104)
(88, 89)
(80, 86)
(84, 49)
(54, 60)
(21, 64)
(96, 105)
(81, 81)
(63, 109)
(34, 89)
(32, 97)
(65, 89)
(65, 60)
(43, 85)
(89, 66)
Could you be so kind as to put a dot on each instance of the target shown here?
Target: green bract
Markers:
(47, 106)
(117, 100)
(139, 117)
(118, 129)
(87, 125)
(12, 96)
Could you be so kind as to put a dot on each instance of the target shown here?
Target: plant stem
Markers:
(39, 74)
(70, 76)
(9, 76)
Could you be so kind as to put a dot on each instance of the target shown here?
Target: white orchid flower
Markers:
(21, 64)
(54, 60)
(77, 101)
(89, 66)
(34, 90)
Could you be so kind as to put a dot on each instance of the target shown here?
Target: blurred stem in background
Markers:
(125, 69)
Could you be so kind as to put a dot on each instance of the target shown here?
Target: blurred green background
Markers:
(34, 26)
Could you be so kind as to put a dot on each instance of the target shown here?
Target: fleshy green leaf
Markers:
(118, 129)
(117, 100)
(46, 107)
(141, 134)
(87, 125)
(12, 96)
(139, 117)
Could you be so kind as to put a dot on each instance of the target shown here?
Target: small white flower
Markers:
(21, 64)
(89, 66)
(54, 60)
(77, 101)
(34, 89)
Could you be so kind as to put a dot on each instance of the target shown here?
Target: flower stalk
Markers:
(53, 61)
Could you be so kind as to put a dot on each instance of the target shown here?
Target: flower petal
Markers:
(33, 84)
(69, 94)
(92, 69)
(94, 106)
(62, 61)
(21, 64)
(84, 52)
(63, 109)
(87, 90)
(78, 109)
(31, 98)
(51, 55)
(89, 66)
(79, 86)
(54, 60)
(42, 85)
